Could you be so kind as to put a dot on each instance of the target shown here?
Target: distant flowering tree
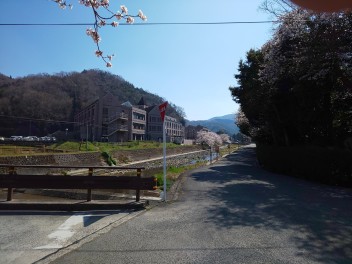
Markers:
(225, 138)
(103, 20)
(243, 123)
(209, 138)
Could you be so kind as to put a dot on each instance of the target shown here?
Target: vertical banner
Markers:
(162, 109)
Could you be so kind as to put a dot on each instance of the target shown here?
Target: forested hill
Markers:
(59, 97)
(224, 124)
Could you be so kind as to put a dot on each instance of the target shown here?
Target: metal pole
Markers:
(138, 191)
(164, 160)
(89, 191)
(87, 138)
(211, 157)
(10, 189)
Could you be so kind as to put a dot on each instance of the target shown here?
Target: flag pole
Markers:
(162, 109)
(164, 160)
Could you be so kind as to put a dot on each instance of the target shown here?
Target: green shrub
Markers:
(160, 181)
(105, 155)
(108, 158)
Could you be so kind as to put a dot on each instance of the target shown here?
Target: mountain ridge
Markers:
(43, 103)
(224, 123)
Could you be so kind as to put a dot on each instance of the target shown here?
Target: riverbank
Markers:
(183, 162)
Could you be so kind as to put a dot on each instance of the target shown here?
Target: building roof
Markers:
(150, 108)
(127, 104)
(142, 101)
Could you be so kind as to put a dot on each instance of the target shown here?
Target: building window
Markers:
(105, 112)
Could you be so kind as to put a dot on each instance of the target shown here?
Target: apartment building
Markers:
(174, 129)
(106, 119)
(137, 120)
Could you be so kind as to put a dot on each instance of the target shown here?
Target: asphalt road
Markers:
(31, 236)
(233, 212)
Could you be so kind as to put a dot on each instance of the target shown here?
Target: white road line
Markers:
(64, 231)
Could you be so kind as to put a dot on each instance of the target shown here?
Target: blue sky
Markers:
(191, 66)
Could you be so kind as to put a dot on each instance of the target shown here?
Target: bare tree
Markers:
(277, 8)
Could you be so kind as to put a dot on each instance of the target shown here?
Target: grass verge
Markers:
(172, 174)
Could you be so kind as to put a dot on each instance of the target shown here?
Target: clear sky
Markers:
(191, 66)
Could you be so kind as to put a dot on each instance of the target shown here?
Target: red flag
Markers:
(162, 109)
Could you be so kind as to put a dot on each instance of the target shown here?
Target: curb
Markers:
(73, 206)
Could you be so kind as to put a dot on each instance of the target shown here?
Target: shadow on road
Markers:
(318, 218)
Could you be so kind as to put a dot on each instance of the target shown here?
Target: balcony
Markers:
(138, 131)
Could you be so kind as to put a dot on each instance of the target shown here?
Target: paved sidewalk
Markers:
(233, 212)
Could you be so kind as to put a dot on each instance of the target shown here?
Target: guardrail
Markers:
(13, 180)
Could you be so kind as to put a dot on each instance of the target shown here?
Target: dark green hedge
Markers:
(326, 165)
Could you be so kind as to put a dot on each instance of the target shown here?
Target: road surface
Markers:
(233, 212)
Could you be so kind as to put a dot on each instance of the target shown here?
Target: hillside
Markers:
(41, 97)
(221, 123)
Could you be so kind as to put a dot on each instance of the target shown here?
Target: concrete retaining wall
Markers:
(88, 158)
(145, 154)
(95, 159)
(178, 160)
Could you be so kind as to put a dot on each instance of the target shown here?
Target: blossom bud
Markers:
(130, 20)
(124, 9)
(118, 16)
(142, 16)
(98, 53)
(104, 2)
(89, 31)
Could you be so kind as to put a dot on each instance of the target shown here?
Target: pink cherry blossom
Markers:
(102, 19)
(130, 20)
(124, 9)
(99, 53)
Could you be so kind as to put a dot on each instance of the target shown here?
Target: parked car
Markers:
(47, 138)
(16, 138)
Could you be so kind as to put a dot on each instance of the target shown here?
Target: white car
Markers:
(16, 138)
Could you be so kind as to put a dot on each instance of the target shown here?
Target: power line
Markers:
(204, 23)
(46, 24)
(144, 24)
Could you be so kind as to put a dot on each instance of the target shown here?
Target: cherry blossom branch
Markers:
(101, 21)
